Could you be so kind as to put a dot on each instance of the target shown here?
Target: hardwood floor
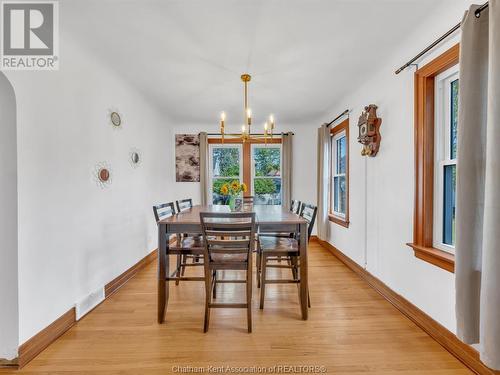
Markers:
(351, 330)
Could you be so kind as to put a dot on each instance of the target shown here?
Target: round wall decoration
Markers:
(115, 118)
(102, 175)
(135, 157)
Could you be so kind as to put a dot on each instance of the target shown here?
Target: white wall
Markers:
(304, 160)
(9, 335)
(388, 179)
(74, 236)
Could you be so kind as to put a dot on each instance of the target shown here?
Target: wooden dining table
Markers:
(269, 219)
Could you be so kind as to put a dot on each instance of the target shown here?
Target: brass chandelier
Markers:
(246, 134)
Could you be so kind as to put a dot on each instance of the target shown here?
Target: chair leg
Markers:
(258, 267)
(214, 275)
(208, 285)
(263, 280)
(178, 273)
(184, 261)
(293, 262)
(308, 299)
(249, 300)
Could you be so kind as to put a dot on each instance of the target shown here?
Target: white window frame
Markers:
(252, 162)
(335, 138)
(442, 151)
(211, 166)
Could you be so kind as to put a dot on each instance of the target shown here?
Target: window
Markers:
(225, 167)
(266, 174)
(339, 190)
(445, 150)
(436, 95)
(256, 163)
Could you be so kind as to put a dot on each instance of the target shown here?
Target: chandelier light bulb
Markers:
(223, 116)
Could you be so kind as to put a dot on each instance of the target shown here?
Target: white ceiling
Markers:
(187, 55)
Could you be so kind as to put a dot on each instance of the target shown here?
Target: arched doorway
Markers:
(9, 307)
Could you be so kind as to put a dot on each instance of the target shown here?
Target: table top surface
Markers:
(264, 214)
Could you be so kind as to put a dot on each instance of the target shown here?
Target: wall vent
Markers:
(89, 302)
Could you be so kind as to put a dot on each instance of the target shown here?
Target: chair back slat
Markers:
(235, 243)
(295, 206)
(308, 212)
(226, 250)
(232, 227)
(221, 233)
(228, 233)
(163, 211)
(184, 205)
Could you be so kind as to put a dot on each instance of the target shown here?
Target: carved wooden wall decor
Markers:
(369, 131)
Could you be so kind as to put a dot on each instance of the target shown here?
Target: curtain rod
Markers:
(477, 13)
(239, 134)
(346, 112)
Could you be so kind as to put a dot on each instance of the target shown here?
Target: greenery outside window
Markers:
(266, 174)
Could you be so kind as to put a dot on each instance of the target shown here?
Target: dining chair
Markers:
(274, 248)
(182, 206)
(295, 206)
(185, 245)
(229, 240)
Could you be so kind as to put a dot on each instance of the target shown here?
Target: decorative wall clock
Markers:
(369, 131)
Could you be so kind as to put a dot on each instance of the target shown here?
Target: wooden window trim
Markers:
(343, 126)
(423, 223)
(247, 155)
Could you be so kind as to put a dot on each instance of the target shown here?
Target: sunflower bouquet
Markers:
(233, 190)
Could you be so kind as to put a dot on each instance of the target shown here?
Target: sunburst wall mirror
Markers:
(102, 175)
(135, 157)
(115, 118)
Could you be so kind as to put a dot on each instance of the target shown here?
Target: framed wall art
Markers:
(187, 158)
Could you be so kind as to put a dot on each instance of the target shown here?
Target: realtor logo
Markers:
(30, 35)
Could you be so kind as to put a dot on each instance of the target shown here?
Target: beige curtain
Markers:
(323, 182)
(477, 264)
(204, 176)
(287, 165)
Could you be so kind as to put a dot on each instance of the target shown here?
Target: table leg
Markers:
(163, 271)
(304, 290)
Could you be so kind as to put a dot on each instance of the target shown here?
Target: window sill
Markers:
(338, 220)
(437, 257)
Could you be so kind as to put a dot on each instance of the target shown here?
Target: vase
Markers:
(232, 203)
